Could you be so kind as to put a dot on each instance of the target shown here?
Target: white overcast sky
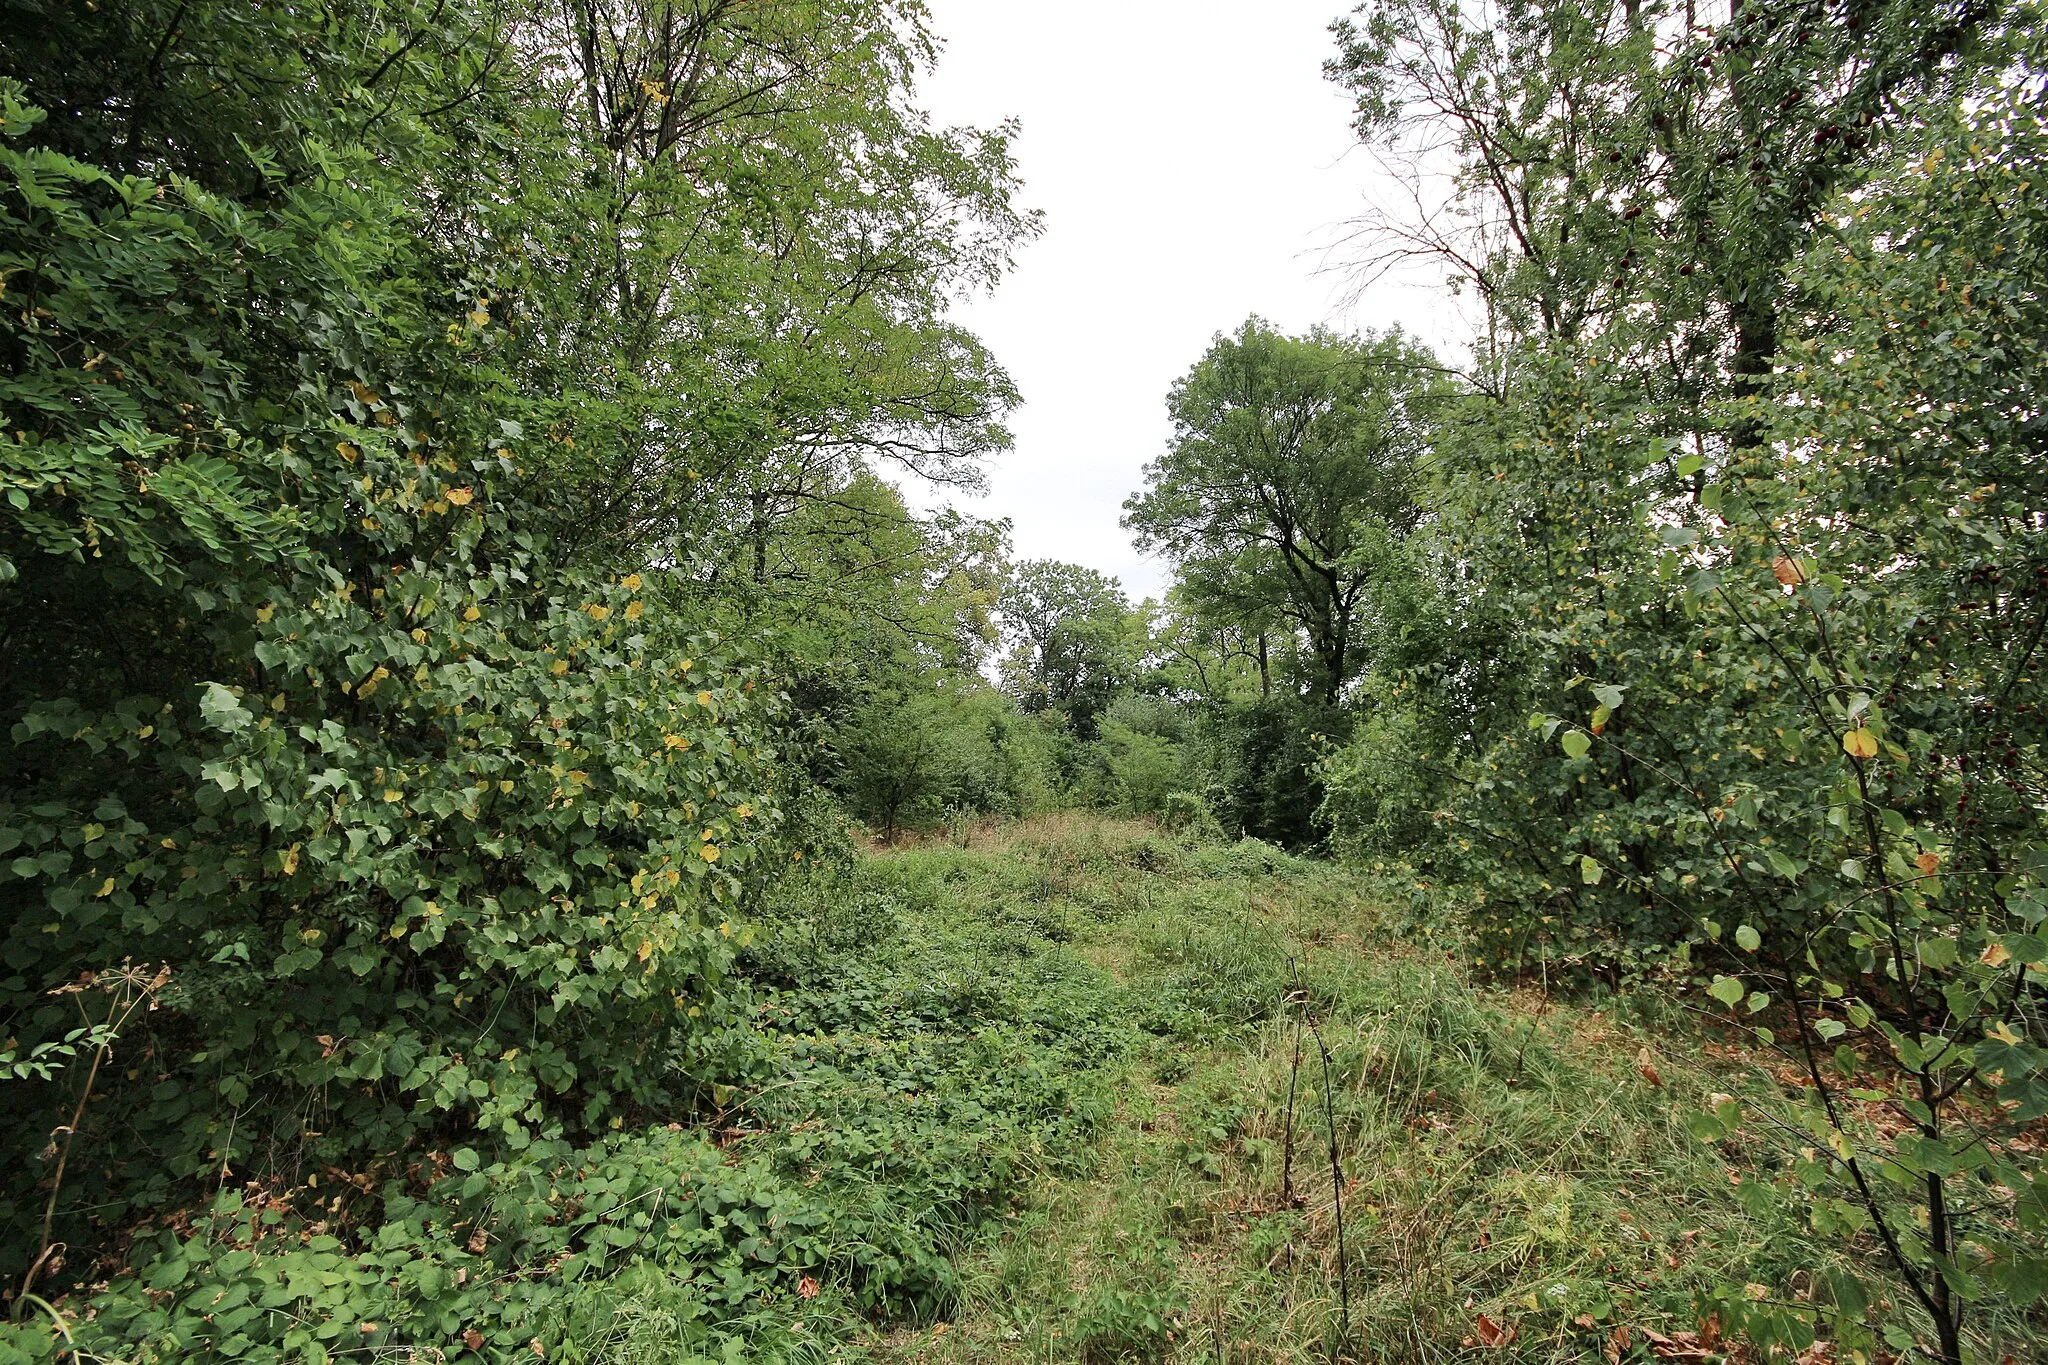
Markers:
(1193, 165)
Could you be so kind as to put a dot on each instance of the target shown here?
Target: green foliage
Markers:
(1115, 1322)
(410, 413)
(1285, 452)
(1073, 641)
(907, 757)
(1262, 757)
(1729, 604)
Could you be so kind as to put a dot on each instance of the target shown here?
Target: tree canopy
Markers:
(1288, 455)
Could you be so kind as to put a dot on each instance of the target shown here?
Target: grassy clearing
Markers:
(1517, 1181)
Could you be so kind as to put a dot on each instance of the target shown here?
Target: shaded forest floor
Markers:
(1514, 1173)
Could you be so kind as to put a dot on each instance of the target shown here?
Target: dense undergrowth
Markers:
(1075, 1090)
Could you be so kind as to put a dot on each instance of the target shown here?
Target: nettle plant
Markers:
(1866, 596)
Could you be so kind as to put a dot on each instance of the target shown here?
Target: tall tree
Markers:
(1073, 641)
(1284, 450)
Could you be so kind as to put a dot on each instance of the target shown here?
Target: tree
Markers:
(1283, 449)
(1731, 595)
(390, 390)
(1074, 643)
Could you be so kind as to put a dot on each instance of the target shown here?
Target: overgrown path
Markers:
(1207, 1052)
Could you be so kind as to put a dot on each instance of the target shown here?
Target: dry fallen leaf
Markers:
(1491, 1333)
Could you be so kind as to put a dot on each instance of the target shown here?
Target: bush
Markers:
(1262, 758)
(907, 757)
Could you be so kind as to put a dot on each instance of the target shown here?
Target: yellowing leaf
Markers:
(1860, 744)
(1929, 863)
(461, 497)
(107, 887)
(392, 795)
(676, 742)
(646, 949)
(631, 582)
(266, 611)
(472, 614)
(709, 852)
(559, 667)
(1994, 956)
(598, 611)
(703, 699)
(633, 610)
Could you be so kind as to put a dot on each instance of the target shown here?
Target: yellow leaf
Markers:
(291, 861)
(461, 497)
(506, 787)
(703, 699)
(2002, 1031)
(1929, 863)
(266, 611)
(598, 611)
(1994, 956)
(631, 582)
(390, 795)
(646, 949)
(472, 614)
(710, 852)
(633, 610)
(1860, 744)
(676, 742)
(107, 887)
(481, 317)
(559, 666)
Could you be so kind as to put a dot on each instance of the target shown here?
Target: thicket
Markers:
(1715, 653)
(441, 509)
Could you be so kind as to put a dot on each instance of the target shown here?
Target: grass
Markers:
(1070, 1090)
(1515, 1175)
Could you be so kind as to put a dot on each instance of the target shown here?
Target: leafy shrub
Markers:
(481, 820)
(907, 757)
(1190, 816)
(1114, 1322)
(1262, 759)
